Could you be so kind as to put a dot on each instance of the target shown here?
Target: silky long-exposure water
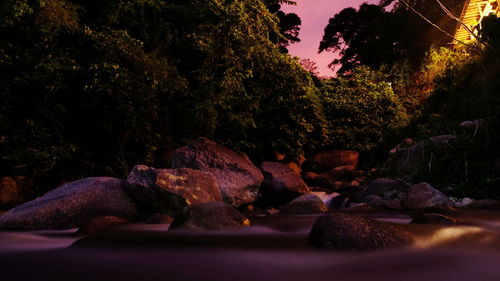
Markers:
(274, 248)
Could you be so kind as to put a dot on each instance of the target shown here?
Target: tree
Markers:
(373, 36)
(289, 24)
(94, 87)
(362, 109)
(310, 66)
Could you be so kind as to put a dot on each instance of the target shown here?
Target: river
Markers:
(273, 248)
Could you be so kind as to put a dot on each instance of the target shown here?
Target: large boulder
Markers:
(13, 191)
(423, 195)
(100, 224)
(168, 191)
(239, 180)
(384, 188)
(281, 184)
(328, 160)
(340, 231)
(210, 216)
(405, 162)
(305, 204)
(72, 204)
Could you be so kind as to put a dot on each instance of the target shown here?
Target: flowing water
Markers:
(274, 248)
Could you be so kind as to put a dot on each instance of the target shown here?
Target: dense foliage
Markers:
(362, 109)
(95, 87)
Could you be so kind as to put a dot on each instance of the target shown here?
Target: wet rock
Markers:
(340, 231)
(462, 202)
(305, 204)
(338, 202)
(476, 124)
(328, 160)
(385, 188)
(168, 191)
(13, 191)
(423, 195)
(210, 216)
(294, 167)
(434, 218)
(159, 218)
(393, 204)
(239, 180)
(281, 184)
(404, 162)
(100, 224)
(486, 204)
(72, 204)
(373, 200)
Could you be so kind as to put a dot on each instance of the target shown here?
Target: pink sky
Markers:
(315, 15)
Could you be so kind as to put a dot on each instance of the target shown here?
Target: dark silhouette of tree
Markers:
(289, 24)
(374, 36)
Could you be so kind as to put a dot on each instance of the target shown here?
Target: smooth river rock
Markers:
(281, 184)
(239, 180)
(305, 204)
(340, 231)
(423, 195)
(210, 216)
(168, 191)
(72, 204)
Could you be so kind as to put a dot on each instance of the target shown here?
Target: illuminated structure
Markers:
(473, 13)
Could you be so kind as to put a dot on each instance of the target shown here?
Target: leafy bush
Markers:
(361, 109)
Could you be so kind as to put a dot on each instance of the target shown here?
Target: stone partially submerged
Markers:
(340, 231)
(281, 184)
(239, 180)
(423, 195)
(305, 204)
(210, 216)
(168, 191)
(72, 204)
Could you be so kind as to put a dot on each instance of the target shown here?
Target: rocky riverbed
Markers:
(214, 215)
(275, 247)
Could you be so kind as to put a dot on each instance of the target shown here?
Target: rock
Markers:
(281, 184)
(384, 188)
(13, 191)
(328, 160)
(486, 204)
(402, 146)
(309, 178)
(239, 180)
(348, 169)
(462, 202)
(160, 218)
(433, 218)
(210, 216)
(373, 200)
(443, 139)
(72, 204)
(294, 167)
(100, 224)
(393, 204)
(340, 231)
(168, 191)
(305, 204)
(423, 195)
(338, 202)
(476, 124)
(404, 163)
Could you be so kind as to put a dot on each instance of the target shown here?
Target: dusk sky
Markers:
(315, 15)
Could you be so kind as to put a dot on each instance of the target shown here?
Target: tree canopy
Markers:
(373, 36)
